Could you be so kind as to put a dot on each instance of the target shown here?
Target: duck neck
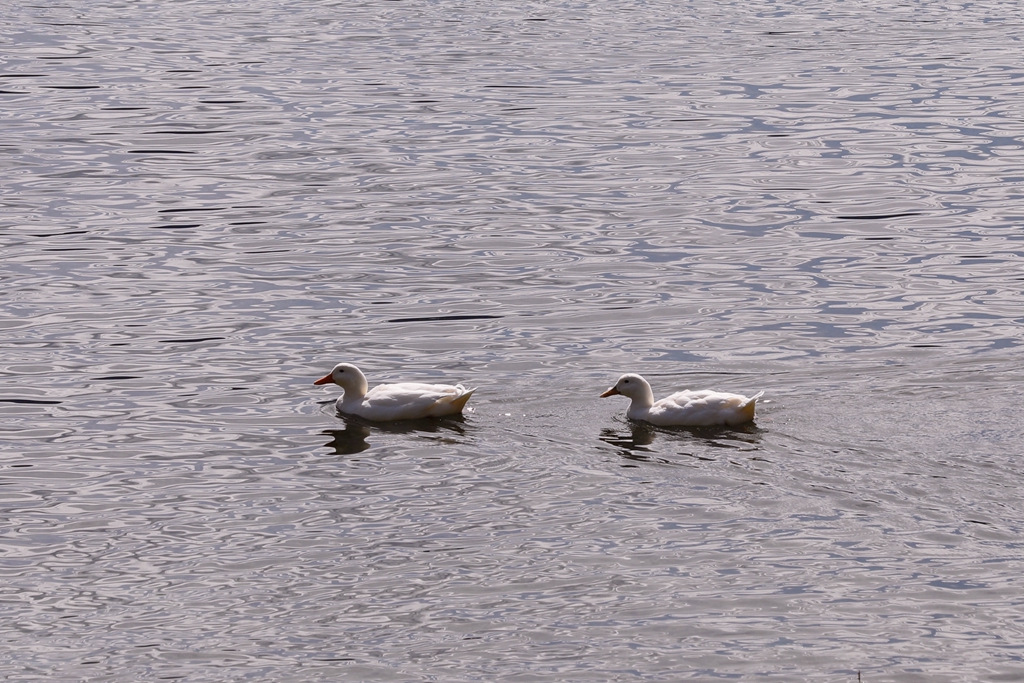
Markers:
(355, 387)
(642, 401)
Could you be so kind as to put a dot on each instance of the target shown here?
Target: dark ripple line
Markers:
(60, 234)
(878, 216)
(444, 317)
(29, 401)
(182, 132)
(219, 208)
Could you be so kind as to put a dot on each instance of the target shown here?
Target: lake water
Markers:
(206, 205)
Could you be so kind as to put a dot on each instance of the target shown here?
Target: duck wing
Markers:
(410, 401)
(703, 408)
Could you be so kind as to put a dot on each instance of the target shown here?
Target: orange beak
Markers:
(611, 392)
(326, 379)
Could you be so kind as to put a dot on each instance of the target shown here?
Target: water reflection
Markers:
(633, 444)
(354, 438)
(522, 198)
(639, 436)
(636, 443)
(347, 441)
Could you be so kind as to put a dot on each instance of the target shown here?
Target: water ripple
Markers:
(205, 205)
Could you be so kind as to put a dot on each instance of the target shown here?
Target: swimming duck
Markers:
(387, 402)
(684, 408)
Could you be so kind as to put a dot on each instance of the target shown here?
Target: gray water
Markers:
(206, 205)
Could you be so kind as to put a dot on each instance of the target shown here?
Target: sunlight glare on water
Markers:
(208, 205)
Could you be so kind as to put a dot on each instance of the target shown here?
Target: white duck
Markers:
(386, 402)
(684, 408)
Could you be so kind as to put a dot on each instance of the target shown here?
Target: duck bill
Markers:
(325, 379)
(611, 392)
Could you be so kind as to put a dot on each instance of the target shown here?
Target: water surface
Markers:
(207, 205)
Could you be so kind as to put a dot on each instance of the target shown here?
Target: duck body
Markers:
(703, 408)
(390, 402)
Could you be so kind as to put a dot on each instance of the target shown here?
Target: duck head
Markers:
(346, 376)
(634, 387)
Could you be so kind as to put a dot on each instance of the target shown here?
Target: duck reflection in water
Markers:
(632, 445)
(354, 437)
(635, 443)
(350, 440)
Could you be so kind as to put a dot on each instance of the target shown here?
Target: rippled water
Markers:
(205, 205)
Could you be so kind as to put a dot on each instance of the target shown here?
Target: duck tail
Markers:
(460, 401)
(748, 408)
